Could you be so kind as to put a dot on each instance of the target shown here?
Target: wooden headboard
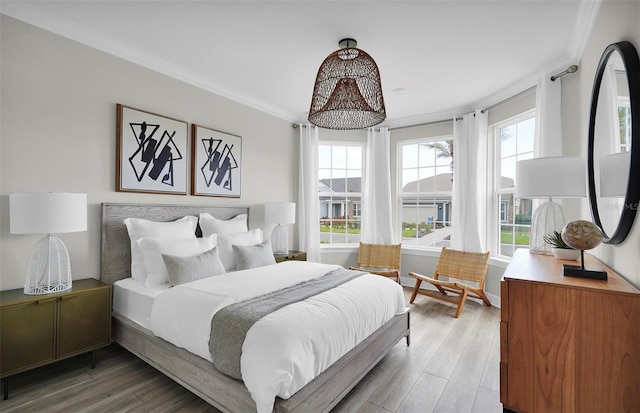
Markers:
(115, 258)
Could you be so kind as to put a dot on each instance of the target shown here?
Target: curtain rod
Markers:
(427, 123)
(570, 69)
(296, 126)
(517, 95)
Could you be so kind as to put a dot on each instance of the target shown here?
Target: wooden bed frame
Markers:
(199, 375)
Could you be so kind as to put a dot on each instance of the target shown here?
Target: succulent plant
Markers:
(555, 239)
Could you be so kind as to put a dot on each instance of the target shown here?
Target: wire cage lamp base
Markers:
(279, 241)
(49, 268)
(547, 218)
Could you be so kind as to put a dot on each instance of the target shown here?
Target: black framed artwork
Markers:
(216, 162)
(151, 152)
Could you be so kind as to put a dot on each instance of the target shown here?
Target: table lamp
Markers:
(279, 213)
(557, 176)
(49, 269)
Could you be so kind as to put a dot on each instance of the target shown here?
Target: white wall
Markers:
(58, 128)
(616, 21)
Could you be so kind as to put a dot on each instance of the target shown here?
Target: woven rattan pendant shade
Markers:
(347, 93)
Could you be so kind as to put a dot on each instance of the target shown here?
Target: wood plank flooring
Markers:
(451, 366)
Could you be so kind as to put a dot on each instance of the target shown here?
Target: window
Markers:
(426, 169)
(513, 143)
(624, 115)
(340, 192)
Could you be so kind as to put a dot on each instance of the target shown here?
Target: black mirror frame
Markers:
(632, 198)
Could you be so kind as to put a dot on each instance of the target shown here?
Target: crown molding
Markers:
(35, 16)
(582, 29)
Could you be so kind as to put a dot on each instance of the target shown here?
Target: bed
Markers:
(195, 372)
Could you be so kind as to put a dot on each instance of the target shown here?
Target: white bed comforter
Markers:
(288, 348)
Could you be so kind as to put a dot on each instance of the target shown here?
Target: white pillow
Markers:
(185, 269)
(252, 256)
(143, 228)
(212, 225)
(225, 241)
(153, 248)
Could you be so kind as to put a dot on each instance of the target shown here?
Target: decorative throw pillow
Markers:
(225, 241)
(252, 256)
(212, 225)
(185, 269)
(138, 228)
(153, 248)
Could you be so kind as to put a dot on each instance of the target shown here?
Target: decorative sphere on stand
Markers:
(581, 235)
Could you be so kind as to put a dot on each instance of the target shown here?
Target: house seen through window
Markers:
(426, 168)
(340, 192)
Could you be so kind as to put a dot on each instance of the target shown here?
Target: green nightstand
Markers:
(291, 256)
(40, 329)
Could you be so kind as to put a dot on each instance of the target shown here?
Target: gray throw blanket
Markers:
(230, 325)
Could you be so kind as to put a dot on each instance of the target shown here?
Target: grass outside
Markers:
(521, 237)
(506, 236)
(339, 230)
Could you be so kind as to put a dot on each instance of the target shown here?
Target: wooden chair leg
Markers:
(463, 299)
(485, 300)
(415, 291)
(442, 290)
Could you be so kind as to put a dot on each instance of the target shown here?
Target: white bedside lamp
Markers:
(280, 213)
(560, 177)
(47, 213)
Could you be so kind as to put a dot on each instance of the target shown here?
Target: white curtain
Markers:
(308, 224)
(548, 135)
(377, 220)
(607, 121)
(469, 200)
(607, 125)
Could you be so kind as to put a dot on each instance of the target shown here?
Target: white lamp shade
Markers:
(280, 212)
(561, 177)
(614, 174)
(47, 212)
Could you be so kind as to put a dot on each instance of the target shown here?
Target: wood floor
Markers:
(451, 366)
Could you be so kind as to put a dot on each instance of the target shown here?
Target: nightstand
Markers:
(291, 255)
(40, 329)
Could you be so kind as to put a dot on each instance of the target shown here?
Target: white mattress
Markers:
(133, 300)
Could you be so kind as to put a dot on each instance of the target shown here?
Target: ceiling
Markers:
(437, 59)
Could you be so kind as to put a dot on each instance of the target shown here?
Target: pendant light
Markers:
(347, 93)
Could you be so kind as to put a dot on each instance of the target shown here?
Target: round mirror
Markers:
(614, 133)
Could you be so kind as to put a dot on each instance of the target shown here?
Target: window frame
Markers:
(495, 216)
(357, 210)
(401, 195)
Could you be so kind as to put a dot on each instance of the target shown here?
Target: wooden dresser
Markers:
(568, 344)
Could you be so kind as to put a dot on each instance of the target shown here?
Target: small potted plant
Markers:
(560, 249)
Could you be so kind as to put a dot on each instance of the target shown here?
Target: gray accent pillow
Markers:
(184, 269)
(252, 256)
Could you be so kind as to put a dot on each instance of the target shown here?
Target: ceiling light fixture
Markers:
(347, 93)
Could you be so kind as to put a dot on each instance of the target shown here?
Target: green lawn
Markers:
(521, 238)
(339, 230)
(506, 236)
